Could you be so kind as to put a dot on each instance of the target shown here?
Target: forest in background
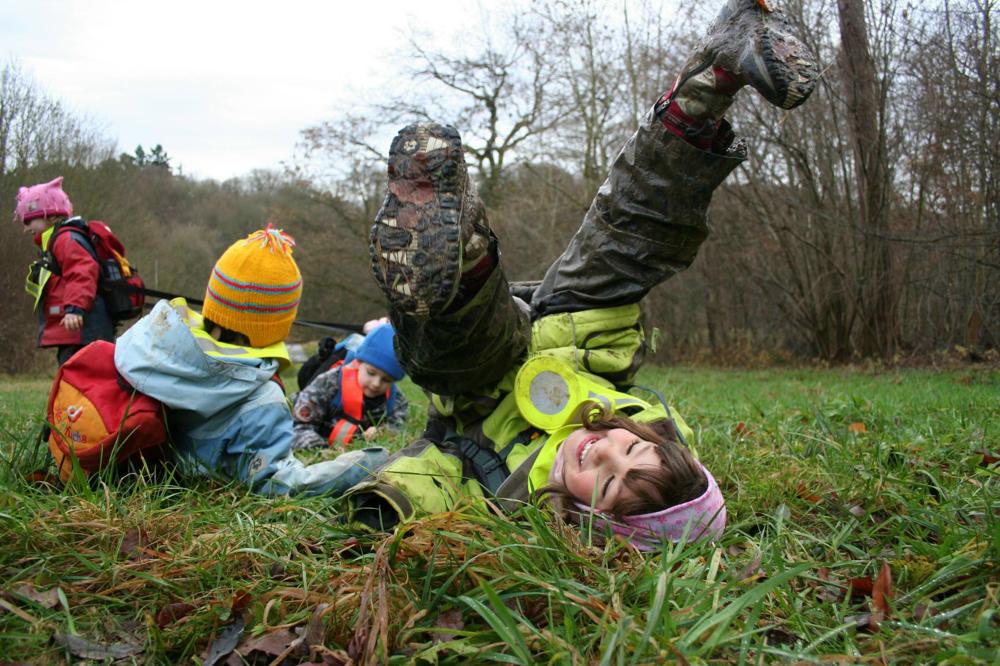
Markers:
(865, 224)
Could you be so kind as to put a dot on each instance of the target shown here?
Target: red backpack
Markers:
(119, 283)
(97, 418)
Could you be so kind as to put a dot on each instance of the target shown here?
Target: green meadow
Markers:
(864, 527)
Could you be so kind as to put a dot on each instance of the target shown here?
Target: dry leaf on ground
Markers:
(81, 647)
(173, 612)
(881, 596)
(47, 599)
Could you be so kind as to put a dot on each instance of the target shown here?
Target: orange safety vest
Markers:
(352, 401)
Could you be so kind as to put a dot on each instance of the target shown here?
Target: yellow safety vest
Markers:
(213, 347)
(39, 273)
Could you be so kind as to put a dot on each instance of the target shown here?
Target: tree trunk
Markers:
(866, 108)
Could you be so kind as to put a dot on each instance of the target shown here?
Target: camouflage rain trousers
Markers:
(645, 224)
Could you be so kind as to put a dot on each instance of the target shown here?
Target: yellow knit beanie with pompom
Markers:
(255, 287)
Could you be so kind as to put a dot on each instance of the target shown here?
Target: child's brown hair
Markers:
(678, 479)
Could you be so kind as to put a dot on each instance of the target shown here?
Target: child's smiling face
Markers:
(374, 382)
(592, 465)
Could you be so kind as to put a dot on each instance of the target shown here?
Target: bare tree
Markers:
(500, 100)
(343, 156)
(866, 96)
(952, 112)
(36, 129)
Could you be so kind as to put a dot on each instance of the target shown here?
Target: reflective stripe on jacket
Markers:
(212, 347)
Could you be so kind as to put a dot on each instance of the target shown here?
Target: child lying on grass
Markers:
(216, 371)
(516, 427)
(357, 397)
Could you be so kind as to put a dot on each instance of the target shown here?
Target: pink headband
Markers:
(702, 517)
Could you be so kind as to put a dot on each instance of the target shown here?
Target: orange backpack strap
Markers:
(276, 378)
(352, 401)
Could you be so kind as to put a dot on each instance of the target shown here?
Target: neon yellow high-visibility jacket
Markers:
(603, 346)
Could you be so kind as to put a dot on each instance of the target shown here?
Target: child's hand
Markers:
(72, 322)
(370, 433)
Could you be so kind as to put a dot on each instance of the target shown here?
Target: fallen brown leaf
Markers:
(272, 644)
(133, 542)
(881, 596)
(857, 427)
(315, 633)
(861, 586)
(172, 612)
(47, 599)
(806, 494)
(451, 620)
(241, 599)
(827, 590)
(829, 594)
(923, 611)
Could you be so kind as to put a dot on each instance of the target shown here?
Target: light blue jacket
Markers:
(226, 418)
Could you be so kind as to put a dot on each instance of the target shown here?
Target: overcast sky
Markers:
(224, 86)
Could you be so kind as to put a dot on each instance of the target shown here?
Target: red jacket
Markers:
(76, 287)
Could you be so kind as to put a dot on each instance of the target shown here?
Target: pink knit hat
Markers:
(701, 518)
(42, 200)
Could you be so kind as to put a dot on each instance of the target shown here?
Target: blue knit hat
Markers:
(377, 350)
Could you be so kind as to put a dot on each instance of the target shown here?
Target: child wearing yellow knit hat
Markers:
(214, 372)
(255, 288)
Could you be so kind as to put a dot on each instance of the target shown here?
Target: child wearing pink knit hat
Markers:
(71, 310)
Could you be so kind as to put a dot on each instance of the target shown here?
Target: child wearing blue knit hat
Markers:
(377, 353)
(359, 395)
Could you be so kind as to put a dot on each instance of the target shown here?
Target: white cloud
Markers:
(224, 86)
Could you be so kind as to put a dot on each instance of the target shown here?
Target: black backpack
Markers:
(329, 354)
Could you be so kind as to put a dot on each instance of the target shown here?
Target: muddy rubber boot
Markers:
(750, 43)
(432, 224)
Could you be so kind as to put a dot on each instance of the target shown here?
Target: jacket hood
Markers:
(160, 357)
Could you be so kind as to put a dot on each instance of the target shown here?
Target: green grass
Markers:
(828, 474)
